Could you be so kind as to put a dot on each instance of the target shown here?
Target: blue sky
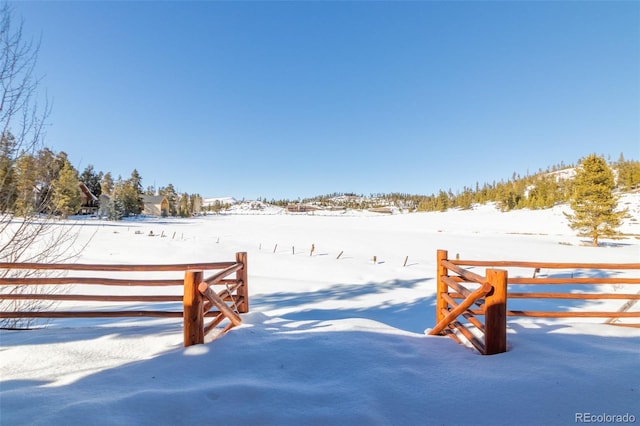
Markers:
(299, 98)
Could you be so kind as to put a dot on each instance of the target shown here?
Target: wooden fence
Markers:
(466, 294)
(198, 299)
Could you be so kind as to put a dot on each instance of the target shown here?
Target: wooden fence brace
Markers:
(442, 287)
(340, 254)
(496, 313)
(449, 317)
(206, 291)
(406, 259)
(193, 312)
(242, 276)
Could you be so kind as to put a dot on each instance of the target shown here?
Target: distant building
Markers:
(301, 208)
(89, 200)
(155, 205)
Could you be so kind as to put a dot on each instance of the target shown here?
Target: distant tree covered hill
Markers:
(543, 189)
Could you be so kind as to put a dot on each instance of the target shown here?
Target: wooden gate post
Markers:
(243, 290)
(193, 309)
(495, 306)
(442, 287)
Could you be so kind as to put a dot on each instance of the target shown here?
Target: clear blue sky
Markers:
(293, 98)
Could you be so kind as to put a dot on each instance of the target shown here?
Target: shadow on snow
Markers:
(413, 316)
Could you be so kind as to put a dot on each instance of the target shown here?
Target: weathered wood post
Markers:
(243, 290)
(495, 306)
(442, 288)
(192, 309)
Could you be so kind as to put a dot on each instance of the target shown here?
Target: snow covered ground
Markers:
(329, 341)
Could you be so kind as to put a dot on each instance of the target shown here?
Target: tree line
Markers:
(45, 182)
(544, 189)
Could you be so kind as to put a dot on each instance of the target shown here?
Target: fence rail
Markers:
(466, 294)
(230, 301)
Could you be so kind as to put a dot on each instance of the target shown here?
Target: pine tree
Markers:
(184, 205)
(593, 202)
(136, 181)
(442, 202)
(106, 184)
(116, 207)
(25, 186)
(172, 196)
(628, 173)
(92, 179)
(67, 198)
(129, 194)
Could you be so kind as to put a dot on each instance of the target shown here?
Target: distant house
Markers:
(301, 208)
(89, 200)
(155, 205)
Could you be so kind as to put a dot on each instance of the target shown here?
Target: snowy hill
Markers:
(210, 202)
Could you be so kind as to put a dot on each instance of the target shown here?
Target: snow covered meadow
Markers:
(329, 341)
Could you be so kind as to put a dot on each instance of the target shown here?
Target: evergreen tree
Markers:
(172, 197)
(593, 203)
(184, 205)
(464, 200)
(442, 202)
(106, 184)
(195, 204)
(92, 179)
(126, 197)
(136, 181)
(628, 173)
(130, 200)
(116, 208)
(25, 186)
(67, 198)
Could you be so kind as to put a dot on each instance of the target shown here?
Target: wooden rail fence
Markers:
(199, 300)
(491, 291)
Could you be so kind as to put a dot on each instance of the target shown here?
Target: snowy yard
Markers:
(328, 341)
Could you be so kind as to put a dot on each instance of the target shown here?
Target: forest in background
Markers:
(540, 190)
(47, 182)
